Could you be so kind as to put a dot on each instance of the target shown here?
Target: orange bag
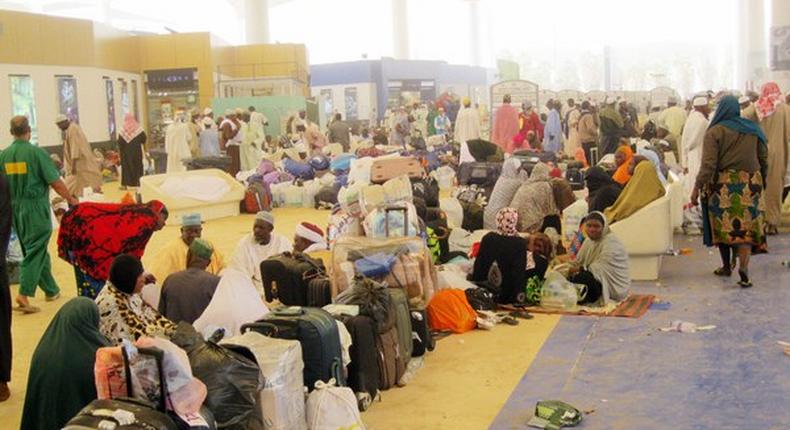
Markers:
(449, 310)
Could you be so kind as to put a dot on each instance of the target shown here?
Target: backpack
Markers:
(331, 408)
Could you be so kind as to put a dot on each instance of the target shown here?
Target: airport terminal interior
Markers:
(281, 214)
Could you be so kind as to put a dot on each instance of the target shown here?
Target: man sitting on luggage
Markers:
(186, 294)
(309, 238)
(173, 257)
(257, 246)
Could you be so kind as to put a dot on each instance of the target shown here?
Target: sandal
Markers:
(744, 282)
(510, 321)
(521, 314)
(27, 309)
(723, 271)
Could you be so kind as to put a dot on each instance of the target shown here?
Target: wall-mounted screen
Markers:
(67, 98)
(352, 105)
(124, 99)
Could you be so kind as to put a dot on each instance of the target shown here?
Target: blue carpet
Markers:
(635, 377)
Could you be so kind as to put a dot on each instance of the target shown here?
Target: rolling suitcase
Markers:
(391, 363)
(363, 371)
(287, 278)
(384, 169)
(319, 292)
(479, 173)
(400, 305)
(316, 330)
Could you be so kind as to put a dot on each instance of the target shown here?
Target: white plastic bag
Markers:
(398, 190)
(455, 213)
(359, 173)
(558, 293)
(445, 177)
(333, 408)
(571, 220)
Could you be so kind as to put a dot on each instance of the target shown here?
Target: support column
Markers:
(751, 46)
(779, 63)
(400, 29)
(474, 32)
(256, 21)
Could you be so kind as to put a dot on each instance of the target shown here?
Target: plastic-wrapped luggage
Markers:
(330, 407)
(280, 361)
(349, 249)
(386, 168)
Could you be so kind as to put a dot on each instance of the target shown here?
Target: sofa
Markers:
(647, 235)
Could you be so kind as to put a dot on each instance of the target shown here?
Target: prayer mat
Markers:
(634, 306)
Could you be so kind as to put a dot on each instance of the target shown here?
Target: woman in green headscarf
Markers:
(61, 379)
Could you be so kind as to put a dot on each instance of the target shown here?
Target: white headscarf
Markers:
(236, 302)
(607, 259)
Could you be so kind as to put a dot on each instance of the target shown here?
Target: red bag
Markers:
(450, 310)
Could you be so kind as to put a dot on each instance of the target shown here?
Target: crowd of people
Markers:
(733, 167)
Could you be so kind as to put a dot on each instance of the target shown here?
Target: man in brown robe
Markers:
(81, 166)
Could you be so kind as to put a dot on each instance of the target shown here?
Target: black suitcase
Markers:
(316, 331)
(286, 277)
(422, 339)
(319, 292)
(530, 158)
(215, 162)
(478, 173)
(575, 177)
(363, 371)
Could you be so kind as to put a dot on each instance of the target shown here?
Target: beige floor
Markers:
(462, 385)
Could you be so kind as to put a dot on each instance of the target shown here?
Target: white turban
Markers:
(208, 121)
(700, 101)
(744, 99)
(310, 232)
(265, 216)
(60, 118)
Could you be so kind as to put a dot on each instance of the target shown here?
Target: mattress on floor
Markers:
(224, 206)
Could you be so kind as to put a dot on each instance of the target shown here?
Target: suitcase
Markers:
(256, 198)
(422, 339)
(479, 173)
(316, 330)
(400, 306)
(575, 177)
(319, 292)
(384, 169)
(391, 364)
(530, 158)
(363, 371)
(286, 277)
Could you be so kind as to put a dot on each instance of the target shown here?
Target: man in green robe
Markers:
(30, 173)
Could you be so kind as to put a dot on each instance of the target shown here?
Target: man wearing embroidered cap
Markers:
(309, 238)
(693, 137)
(81, 166)
(186, 294)
(173, 257)
(257, 246)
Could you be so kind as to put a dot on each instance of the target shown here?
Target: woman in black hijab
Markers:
(603, 191)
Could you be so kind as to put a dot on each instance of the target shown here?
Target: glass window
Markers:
(23, 102)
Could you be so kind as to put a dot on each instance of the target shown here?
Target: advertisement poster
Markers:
(352, 105)
(23, 102)
(67, 98)
(124, 99)
(110, 107)
(327, 102)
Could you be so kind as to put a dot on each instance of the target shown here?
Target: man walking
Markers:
(82, 169)
(30, 173)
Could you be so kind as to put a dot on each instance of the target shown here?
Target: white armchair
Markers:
(677, 194)
(647, 235)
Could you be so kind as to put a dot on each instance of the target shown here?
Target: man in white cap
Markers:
(748, 110)
(230, 139)
(673, 116)
(611, 123)
(257, 246)
(309, 238)
(81, 166)
(693, 137)
(177, 138)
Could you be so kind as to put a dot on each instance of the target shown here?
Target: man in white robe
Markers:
(467, 123)
(177, 137)
(572, 116)
(692, 139)
(257, 246)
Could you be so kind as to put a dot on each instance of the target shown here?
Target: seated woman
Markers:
(124, 314)
(502, 256)
(643, 188)
(61, 378)
(622, 158)
(505, 188)
(601, 264)
(534, 200)
(652, 156)
(602, 190)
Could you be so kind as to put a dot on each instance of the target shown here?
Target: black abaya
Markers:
(131, 160)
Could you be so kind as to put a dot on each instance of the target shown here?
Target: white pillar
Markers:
(779, 18)
(474, 33)
(751, 46)
(256, 21)
(400, 29)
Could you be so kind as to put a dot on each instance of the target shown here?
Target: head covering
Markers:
(555, 173)
(309, 231)
(507, 184)
(191, 220)
(744, 99)
(507, 222)
(60, 118)
(699, 101)
(201, 248)
(91, 235)
(235, 302)
(534, 199)
(510, 168)
(641, 190)
(672, 99)
(265, 216)
(208, 121)
(728, 114)
(61, 370)
(607, 259)
(131, 128)
(612, 114)
(466, 101)
(621, 175)
(239, 111)
(124, 271)
(540, 173)
(207, 111)
(527, 105)
(563, 193)
(653, 158)
(770, 98)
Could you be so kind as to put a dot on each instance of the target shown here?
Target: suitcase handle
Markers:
(260, 326)
(405, 212)
(158, 356)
